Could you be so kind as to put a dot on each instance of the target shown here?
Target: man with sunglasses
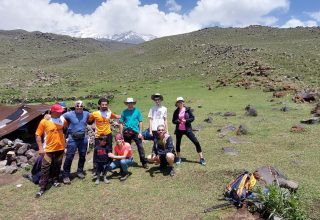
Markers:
(77, 139)
(163, 151)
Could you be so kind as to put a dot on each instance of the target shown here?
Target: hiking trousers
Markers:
(50, 168)
(138, 141)
(191, 137)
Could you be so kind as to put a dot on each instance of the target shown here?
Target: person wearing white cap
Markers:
(131, 127)
(157, 116)
(182, 118)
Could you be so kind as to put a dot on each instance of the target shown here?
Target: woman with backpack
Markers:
(182, 118)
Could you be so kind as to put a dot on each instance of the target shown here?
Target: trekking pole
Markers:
(219, 206)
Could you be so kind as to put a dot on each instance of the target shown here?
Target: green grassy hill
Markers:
(216, 70)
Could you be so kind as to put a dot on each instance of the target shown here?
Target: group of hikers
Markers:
(64, 132)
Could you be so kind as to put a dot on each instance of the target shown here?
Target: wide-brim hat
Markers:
(130, 100)
(157, 95)
(179, 99)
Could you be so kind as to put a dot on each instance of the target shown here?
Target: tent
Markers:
(13, 118)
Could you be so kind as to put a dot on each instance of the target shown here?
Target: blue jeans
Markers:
(72, 146)
(123, 164)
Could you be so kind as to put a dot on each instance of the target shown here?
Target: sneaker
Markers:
(106, 180)
(145, 166)
(178, 161)
(202, 161)
(124, 177)
(81, 175)
(171, 171)
(66, 180)
(94, 176)
(97, 181)
(56, 184)
(40, 193)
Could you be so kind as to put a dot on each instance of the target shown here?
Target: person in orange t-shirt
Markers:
(102, 120)
(53, 147)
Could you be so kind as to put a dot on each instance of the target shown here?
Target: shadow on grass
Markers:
(157, 169)
(185, 160)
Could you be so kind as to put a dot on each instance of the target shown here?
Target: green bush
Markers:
(281, 202)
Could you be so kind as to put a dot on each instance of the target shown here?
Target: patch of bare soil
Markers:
(243, 214)
(8, 178)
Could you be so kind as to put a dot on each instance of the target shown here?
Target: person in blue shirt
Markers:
(77, 139)
(131, 127)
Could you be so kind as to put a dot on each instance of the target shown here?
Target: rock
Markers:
(297, 128)
(208, 120)
(225, 130)
(22, 159)
(235, 140)
(278, 94)
(227, 114)
(25, 166)
(284, 109)
(230, 151)
(30, 153)
(4, 151)
(23, 149)
(251, 111)
(242, 130)
(11, 169)
(310, 121)
(3, 163)
(4, 142)
(17, 145)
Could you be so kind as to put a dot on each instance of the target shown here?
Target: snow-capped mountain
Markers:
(128, 37)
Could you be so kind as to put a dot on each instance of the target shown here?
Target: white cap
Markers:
(180, 99)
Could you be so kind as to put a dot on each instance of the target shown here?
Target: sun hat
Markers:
(57, 108)
(179, 99)
(130, 100)
(157, 95)
(118, 137)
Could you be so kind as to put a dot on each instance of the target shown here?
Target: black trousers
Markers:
(191, 137)
(138, 141)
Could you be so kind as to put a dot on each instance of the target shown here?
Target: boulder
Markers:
(251, 111)
(208, 120)
(30, 153)
(22, 159)
(4, 142)
(23, 149)
(297, 128)
(11, 169)
(242, 130)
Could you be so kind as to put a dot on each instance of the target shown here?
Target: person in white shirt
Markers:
(157, 116)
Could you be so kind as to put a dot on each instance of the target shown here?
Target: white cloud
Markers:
(173, 6)
(117, 16)
(236, 12)
(315, 15)
(293, 22)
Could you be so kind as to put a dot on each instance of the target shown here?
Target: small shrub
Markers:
(281, 202)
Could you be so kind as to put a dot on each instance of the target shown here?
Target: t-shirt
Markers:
(157, 114)
(131, 119)
(182, 125)
(120, 152)
(101, 154)
(52, 130)
(102, 120)
(77, 121)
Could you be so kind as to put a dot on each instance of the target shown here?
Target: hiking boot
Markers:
(28, 176)
(56, 184)
(124, 177)
(97, 181)
(178, 161)
(66, 180)
(81, 175)
(145, 166)
(40, 193)
(171, 173)
(106, 180)
(202, 161)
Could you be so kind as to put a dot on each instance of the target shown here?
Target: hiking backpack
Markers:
(239, 189)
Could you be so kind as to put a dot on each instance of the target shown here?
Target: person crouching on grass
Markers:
(102, 159)
(122, 157)
(163, 150)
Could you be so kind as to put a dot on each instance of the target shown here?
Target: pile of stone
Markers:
(15, 154)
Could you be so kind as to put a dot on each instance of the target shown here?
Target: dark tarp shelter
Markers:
(13, 118)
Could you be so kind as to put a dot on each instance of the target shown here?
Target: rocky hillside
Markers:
(51, 66)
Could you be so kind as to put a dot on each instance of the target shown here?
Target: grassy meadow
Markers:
(36, 65)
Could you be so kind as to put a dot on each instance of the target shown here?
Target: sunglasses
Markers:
(161, 130)
(79, 106)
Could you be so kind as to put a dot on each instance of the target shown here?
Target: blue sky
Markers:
(99, 18)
